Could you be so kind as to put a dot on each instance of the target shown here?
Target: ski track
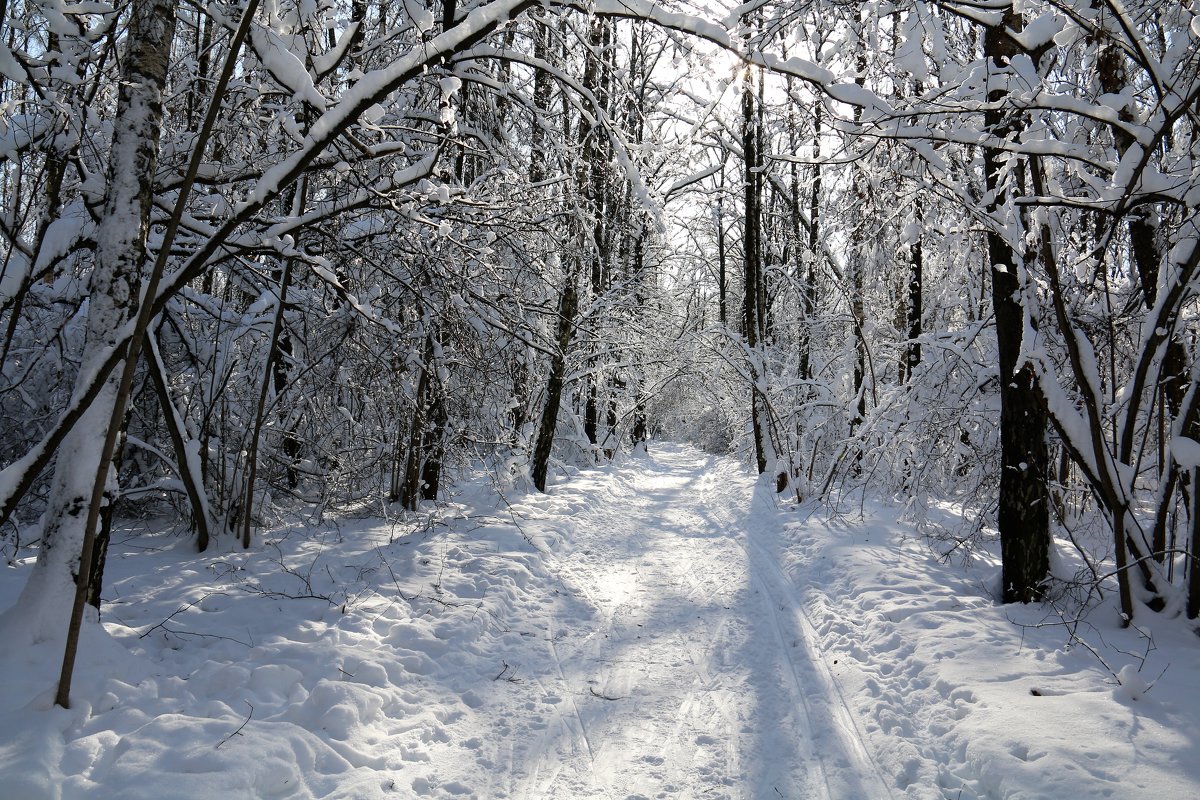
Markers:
(683, 665)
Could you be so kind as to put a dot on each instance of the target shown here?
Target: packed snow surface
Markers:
(660, 628)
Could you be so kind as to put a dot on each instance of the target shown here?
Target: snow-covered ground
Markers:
(657, 628)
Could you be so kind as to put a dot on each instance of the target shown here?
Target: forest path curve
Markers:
(687, 667)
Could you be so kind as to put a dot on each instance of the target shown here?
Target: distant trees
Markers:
(1043, 149)
(1051, 128)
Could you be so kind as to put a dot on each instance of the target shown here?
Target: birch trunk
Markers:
(113, 289)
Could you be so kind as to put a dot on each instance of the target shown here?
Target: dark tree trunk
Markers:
(541, 104)
(396, 477)
(856, 264)
(410, 487)
(639, 430)
(752, 273)
(434, 445)
(1023, 511)
(568, 306)
(1146, 256)
(722, 259)
(247, 507)
(1193, 595)
(591, 411)
(274, 375)
(808, 291)
(608, 445)
(410, 484)
(520, 409)
(597, 195)
(203, 50)
(916, 279)
(291, 446)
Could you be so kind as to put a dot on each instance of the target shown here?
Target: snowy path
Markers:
(657, 628)
(697, 675)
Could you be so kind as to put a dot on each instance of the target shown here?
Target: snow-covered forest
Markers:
(326, 305)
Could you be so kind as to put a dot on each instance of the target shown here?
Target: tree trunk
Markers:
(722, 270)
(520, 410)
(187, 469)
(568, 306)
(808, 291)
(247, 520)
(291, 447)
(410, 488)
(1023, 511)
(434, 446)
(113, 292)
(597, 195)
(1193, 595)
(856, 263)
(1146, 256)
(752, 274)
(541, 104)
(55, 596)
(916, 279)
(591, 411)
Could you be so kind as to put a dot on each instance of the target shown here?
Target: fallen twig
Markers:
(238, 732)
(511, 678)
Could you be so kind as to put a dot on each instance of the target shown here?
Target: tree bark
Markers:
(113, 292)
(916, 280)
(568, 306)
(260, 412)
(433, 444)
(410, 488)
(1146, 256)
(722, 259)
(57, 589)
(1023, 510)
(752, 267)
(1193, 594)
(808, 291)
(856, 263)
